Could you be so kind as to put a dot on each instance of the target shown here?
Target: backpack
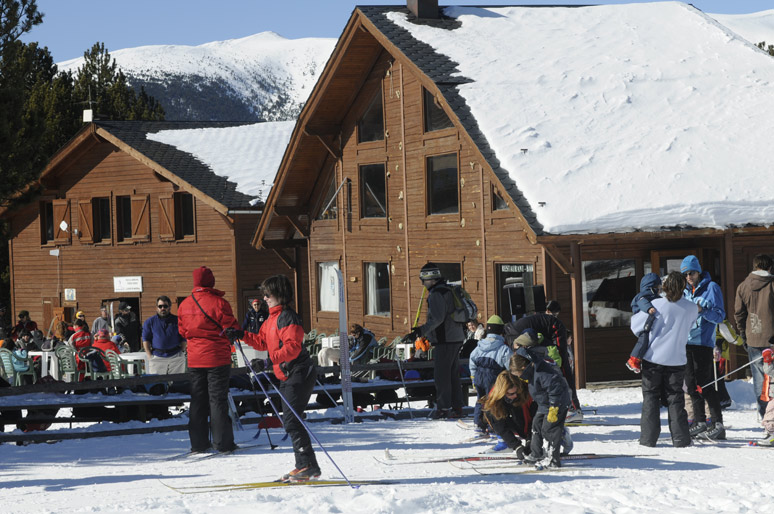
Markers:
(464, 307)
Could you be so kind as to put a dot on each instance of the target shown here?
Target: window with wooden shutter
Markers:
(185, 217)
(140, 218)
(61, 212)
(167, 217)
(85, 222)
(46, 222)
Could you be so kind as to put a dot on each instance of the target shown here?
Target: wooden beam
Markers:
(335, 153)
(559, 258)
(576, 278)
(322, 129)
(296, 222)
(284, 258)
(290, 211)
(729, 291)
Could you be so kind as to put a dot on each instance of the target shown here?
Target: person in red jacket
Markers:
(281, 335)
(103, 342)
(203, 319)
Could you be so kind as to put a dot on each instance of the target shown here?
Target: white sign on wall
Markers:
(69, 295)
(127, 284)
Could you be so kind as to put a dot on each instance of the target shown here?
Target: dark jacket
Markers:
(754, 309)
(129, 327)
(439, 327)
(552, 328)
(208, 347)
(362, 348)
(642, 301)
(282, 336)
(547, 386)
(254, 319)
(518, 423)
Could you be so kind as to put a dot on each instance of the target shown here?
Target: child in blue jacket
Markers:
(650, 286)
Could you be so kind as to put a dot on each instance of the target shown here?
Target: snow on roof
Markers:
(633, 117)
(248, 155)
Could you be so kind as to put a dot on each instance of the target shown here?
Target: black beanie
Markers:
(430, 271)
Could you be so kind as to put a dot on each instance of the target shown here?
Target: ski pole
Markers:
(419, 309)
(335, 403)
(700, 388)
(255, 378)
(301, 420)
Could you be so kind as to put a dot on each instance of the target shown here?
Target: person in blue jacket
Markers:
(490, 357)
(705, 293)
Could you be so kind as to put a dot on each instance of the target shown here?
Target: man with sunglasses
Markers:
(162, 341)
(705, 293)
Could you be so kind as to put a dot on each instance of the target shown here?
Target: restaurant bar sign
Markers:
(127, 284)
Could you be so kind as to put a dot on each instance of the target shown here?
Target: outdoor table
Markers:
(45, 367)
(137, 363)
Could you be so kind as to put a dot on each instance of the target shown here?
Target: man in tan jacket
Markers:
(754, 314)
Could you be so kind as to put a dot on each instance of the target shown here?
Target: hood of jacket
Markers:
(491, 342)
(759, 281)
(650, 282)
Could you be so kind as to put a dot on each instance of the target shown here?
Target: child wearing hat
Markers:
(490, 357)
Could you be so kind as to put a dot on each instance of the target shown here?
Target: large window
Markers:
(377, 289)
(608, 288)
(328, 286)
(435, 117)
(517, 294)
(442, 184)
(371, 124)
(373, 191)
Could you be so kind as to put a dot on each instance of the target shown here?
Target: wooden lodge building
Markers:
(121, 216)
(391, 165)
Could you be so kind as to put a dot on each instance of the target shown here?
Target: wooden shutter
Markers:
(167, 217)
(86, 221)
(140, 218)
(61, 210)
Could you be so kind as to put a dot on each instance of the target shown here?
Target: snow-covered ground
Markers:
(125, 474)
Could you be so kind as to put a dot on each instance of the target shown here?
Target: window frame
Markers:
(362, 193)
(441, 216)
(426, 106)
(319, 282)
(378, 98)
(366, 281)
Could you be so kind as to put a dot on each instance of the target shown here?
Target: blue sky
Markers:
(71, 27)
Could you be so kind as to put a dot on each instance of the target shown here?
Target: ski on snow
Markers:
(197, 456)
(391, 460)
(214, 488)
(509, 462)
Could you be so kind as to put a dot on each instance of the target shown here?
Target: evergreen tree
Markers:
(770, 48)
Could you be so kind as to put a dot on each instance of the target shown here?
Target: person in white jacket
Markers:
(663, 365)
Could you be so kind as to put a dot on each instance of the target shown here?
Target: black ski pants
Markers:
(551, 433)
(698, 372)
(446, 371)
(209, 398)
(296, 391)
(658, 379)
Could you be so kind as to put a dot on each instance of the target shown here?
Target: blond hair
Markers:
(493, 402)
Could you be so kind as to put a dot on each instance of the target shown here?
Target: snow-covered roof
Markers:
(618, 117)
(248, 155)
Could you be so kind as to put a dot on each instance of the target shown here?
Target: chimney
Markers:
(427, 9)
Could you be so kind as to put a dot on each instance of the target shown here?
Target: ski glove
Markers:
(412, 336)
(234, 333)
(768, 356)
(519, 451)
(553, 414)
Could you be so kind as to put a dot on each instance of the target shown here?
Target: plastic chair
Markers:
(29, 372)
(116, 365)
(6, 366)
(65, 355)
(90, 371)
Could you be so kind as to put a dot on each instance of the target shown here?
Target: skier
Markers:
(282, 336)
(550, 391)
(650, 285)
(488, 359)
(767, 395)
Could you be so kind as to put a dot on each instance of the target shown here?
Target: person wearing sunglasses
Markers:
(701, 290)
(162, 341)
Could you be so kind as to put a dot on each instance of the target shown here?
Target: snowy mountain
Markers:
(754, 27)
(264, 77)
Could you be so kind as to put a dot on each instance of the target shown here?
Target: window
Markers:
(451, 271)
(177, 217)
(498, 202)
(373, 194)
(328, 207)
(442, 184)
(517, 294)
(435, 117)
(608, 289)
(46, 222)
(101, 215)
(371, 125)
(328, 286)
(55, 222)
(377, 288)
(132, 218)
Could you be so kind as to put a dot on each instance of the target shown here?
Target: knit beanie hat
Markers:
(690, 263)
(203, 277)
(527, 338)
(430, 271)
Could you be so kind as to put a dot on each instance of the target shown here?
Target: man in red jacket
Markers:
(203, 318)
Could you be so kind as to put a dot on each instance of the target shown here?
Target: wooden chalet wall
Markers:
(477, 238)
(165, 266)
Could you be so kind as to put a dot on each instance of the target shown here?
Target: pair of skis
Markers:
(199, 456)
(215, 488)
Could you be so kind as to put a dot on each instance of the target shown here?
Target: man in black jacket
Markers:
(256, 314)
(128, 326)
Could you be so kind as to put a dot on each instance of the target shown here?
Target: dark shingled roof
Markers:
(443, 71)
(182, 164)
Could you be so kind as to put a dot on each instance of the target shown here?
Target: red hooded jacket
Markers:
(208, 346)
(282, 336)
